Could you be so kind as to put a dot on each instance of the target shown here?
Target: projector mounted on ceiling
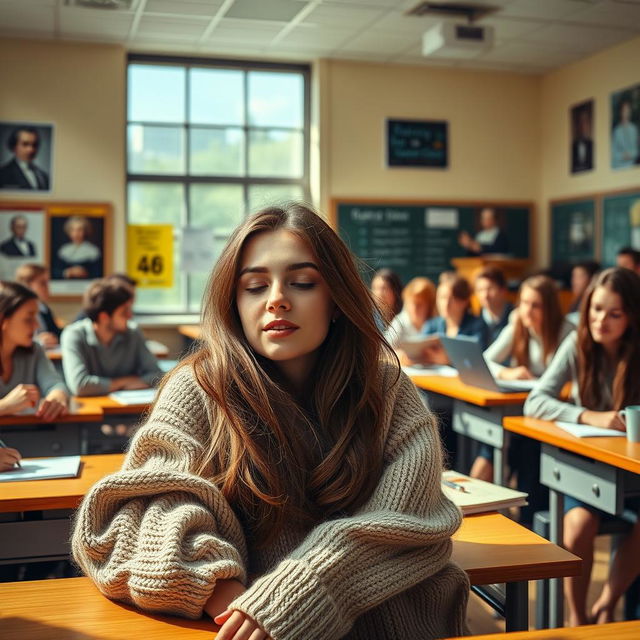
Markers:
(450, 40)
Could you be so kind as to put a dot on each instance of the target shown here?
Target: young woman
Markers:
(27, 378)
(36, 277)
(386, 288)
(522, 351)
(419, 303)
(287, 482)
(581, 275)
(602, 361)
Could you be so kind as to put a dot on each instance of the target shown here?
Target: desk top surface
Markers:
(455, 388)
(613, 631)
(58, 493)
(616, 451)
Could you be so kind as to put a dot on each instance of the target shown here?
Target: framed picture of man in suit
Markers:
(582, 147)
(26, 156)
(22, 239)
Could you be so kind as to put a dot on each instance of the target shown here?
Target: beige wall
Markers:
(80, 88)
(596, 77)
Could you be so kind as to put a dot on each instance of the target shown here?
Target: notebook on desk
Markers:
(134, 396)
(465, 354)
(43, 469)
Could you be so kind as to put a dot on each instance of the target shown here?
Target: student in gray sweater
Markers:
(602, 362)
(28, 380)
(288, 480)
(101, 353)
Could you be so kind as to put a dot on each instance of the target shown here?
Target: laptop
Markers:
(465, 354)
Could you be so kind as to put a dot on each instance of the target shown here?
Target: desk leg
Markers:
(517, 606)
(556, 591)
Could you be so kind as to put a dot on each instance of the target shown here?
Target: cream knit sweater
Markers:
(157, 535)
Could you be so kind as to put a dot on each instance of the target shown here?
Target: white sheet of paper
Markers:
(441, 218)
(587, 431)
(134, 396)
(432, 370)
(198, 255)
(44, 469)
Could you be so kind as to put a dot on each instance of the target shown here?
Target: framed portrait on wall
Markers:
(26, 156)
(22, 238)
(625, 127)
(79, 248)
(582, 146)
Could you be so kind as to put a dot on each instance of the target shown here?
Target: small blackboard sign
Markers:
(417, 143)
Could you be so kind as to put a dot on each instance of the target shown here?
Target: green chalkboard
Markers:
(420, 239)
(620, 224)
(573, 224)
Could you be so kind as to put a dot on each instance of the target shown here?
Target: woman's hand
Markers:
(53, 406)
(24, 396)
(435, 354)
(603, 419)
(8, 458)
(515, 373)
(237, 625)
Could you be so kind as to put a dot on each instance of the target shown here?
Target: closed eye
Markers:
(256, 289)
(303, 285)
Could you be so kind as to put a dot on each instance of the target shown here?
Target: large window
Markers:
(207, 143)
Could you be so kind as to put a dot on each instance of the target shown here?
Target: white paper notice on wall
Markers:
(198, 253)
(441, 218)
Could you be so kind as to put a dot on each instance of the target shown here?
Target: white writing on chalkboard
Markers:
(372, 215)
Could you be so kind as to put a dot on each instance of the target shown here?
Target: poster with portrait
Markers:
(582, 147)
(625, 127)
(26, 157)
(77, 247)
(22, 239)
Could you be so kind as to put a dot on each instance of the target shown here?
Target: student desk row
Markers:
(478, 414)
(489, 547)
(600, 471)
(71, 433)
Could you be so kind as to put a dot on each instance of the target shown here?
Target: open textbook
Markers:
(43, 469)
(478, 496)
(134, 396)
(587, 431)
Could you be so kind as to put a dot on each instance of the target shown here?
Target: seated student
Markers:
(27, 378)
(628, 258)
(291, 390)
(419, 298)
(36, 277)
(121, 278)
(522, 351)
(491, 290)
(602, 361)
(386, 288)
(102, 353)
(581, 275)
(453, 297)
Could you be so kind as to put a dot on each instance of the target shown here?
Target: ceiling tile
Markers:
(279, 10)
(94, 22)
(530, 53)
(506, 28)
(380, 42)
(543, 9)
(26, 17)
(184, 28)
(611, 14)
(578, 37)
(355, 16)
(206, 8)
(398, 22)
(304, 35)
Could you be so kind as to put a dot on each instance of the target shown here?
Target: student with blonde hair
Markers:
(418, 297)
(287, 481)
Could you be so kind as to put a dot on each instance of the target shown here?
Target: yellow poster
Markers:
(150, 254)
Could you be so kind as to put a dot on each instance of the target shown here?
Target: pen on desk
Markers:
(454, 485)
(2, 444)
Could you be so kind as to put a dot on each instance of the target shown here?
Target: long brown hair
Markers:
(12, 296)
(552, 319)
(591, 356)
(275, 457)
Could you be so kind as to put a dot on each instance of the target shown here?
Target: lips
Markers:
(280, 325)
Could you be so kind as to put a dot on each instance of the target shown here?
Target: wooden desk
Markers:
(191, 331)
(58, 493)
(489, 547)
(613, 631)
(478, 414)
(599, 471)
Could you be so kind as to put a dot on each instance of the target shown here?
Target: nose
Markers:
(277, 298)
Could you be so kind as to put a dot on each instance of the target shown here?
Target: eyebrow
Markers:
(292, 267)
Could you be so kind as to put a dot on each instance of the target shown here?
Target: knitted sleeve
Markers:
(399, 538)
(156, 534)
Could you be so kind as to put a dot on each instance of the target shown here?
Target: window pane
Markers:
(266, 195)
(217, 96)
(219, 207)
(276, 99)
(198, 281)
(156, 93)
(152, 203)
(217, 152)
(156, 150)
(276, 154)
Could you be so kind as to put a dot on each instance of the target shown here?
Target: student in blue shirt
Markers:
(452, 302)
(490, 288)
